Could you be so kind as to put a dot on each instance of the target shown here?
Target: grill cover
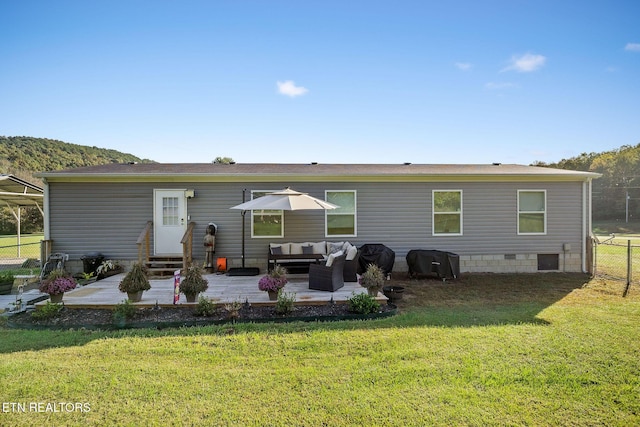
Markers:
(377, 254)
(422, 261)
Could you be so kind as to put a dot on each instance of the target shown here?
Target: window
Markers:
(447, 212)
(341, 221)
(532, 212)
(266, 222)
(170, 211)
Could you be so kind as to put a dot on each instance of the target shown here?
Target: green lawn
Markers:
(549, 349)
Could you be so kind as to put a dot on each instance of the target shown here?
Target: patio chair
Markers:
(327, 278)
(55, 261)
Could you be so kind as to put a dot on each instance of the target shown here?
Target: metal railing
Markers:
(13, 256)
(617, 261)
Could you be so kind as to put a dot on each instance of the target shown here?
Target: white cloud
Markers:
(464, 66)
(633, 47)
(289, 88)
(499, 85)
(525, 63)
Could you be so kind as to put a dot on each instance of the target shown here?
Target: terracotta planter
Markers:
(373, 291)
(273, 295)
(56, 298)
(135, 296)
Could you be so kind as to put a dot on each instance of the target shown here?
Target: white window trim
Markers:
(253, 236)
(518, 212)
(434, 213)
(328, 212)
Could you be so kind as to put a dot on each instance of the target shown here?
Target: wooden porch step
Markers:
(163, 266)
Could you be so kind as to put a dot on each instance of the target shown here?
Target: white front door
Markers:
(169, 221)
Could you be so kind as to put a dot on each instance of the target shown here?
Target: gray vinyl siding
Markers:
(108, 217)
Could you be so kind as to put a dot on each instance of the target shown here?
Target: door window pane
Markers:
(170, 211)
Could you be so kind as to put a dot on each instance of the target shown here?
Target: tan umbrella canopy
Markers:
(285, 200)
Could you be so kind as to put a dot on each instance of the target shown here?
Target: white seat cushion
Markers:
(332, 257)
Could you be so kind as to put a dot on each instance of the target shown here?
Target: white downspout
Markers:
(45, 208)
(586, 220)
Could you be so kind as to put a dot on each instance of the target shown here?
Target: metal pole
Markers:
(629, 258)
(626, 210)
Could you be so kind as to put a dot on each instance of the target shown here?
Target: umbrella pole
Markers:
(244, 271)
(243, 233)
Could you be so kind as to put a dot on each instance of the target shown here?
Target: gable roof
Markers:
(245, 172)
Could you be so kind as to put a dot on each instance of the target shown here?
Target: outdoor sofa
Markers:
(294, 255)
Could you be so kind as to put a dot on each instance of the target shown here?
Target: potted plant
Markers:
(108, 268)
(273, 281)
(193, 283)
(6, 282)
(135, 282)
(372, 279)
(56, 284)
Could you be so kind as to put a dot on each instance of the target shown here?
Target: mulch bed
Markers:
(185, 316)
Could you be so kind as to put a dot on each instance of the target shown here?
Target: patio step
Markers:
(163, 266)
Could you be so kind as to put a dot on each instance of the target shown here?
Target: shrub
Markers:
(363, 304)
(205, 307)
(47, 311)
(233, 309)
(136, 280)
(285, 302)
(193, 282)
(372, 278)
(124, 311)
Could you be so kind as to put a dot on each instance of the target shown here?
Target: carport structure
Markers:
(16, 194)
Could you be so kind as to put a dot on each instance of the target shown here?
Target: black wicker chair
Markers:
(323, 278)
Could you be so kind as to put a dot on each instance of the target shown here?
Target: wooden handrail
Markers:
(144, 239)
(187, 246)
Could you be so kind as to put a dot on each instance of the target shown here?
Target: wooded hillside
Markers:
(620, 179)
(23, 156)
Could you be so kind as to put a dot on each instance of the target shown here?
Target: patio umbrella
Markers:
(285, 200)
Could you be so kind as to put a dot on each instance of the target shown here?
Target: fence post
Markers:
(629, 258)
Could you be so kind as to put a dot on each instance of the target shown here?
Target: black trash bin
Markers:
(91, 261)
(377, 254)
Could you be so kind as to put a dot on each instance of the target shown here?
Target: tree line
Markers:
(616, 195)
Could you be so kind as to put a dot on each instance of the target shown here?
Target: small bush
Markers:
(363, 304)
(205, 307)
(124, 311)
(285, 302)
(47, 311)
(233, 309)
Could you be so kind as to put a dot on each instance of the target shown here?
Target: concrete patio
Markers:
(222, 289)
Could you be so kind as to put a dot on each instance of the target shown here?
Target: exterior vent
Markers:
(314, 163)
(496, 164)
(407, 163)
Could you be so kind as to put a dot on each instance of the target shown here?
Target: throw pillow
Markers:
(335, 247)
(332, 257)
(351, 253)
(276, 250)
(307, 249)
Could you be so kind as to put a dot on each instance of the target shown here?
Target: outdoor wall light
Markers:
(190, 194)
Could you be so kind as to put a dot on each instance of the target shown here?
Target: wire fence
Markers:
(618, 261)
(25, 255)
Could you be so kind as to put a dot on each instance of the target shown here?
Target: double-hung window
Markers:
(341, 222)
(266, 222)
(532, 212)
(447, 212)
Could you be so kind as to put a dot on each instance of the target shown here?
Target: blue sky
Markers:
(511, 81)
